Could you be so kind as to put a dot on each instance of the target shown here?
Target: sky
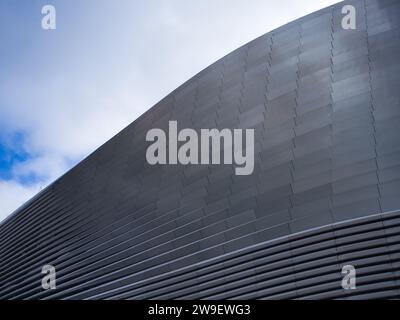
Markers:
(65, 92)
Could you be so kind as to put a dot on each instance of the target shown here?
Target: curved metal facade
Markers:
(325, 106)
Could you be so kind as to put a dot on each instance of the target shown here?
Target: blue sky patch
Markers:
(11, 153)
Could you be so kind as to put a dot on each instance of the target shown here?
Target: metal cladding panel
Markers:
(325, 106)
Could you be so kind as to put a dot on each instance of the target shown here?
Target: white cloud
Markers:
(13, 195)
(46, 168)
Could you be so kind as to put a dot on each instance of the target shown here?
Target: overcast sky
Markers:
(65, 92)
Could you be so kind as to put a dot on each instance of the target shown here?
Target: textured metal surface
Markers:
(325, 106)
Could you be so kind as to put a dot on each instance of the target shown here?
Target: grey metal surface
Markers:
(325, 106)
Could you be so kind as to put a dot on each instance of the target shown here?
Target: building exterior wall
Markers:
(325, 106)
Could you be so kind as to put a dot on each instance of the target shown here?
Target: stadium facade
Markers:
(325, 192)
